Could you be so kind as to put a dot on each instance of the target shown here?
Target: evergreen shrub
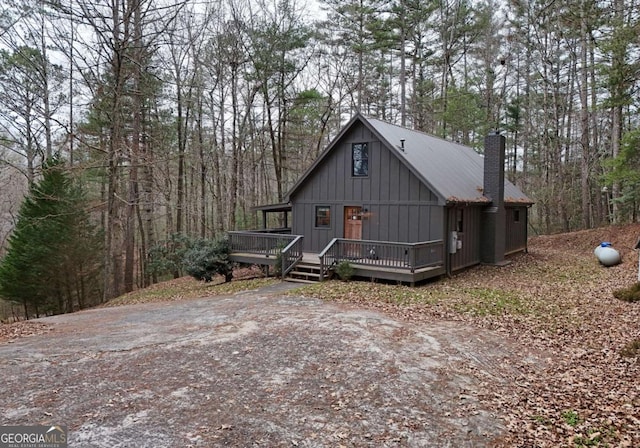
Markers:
(207, 259)
(344, 270)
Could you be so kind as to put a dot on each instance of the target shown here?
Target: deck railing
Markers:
(291, 255)
(268, 244)
(326, 257)
(384, 254)
(380, 254)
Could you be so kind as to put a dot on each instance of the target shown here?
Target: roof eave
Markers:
(453, 201)
(518, 202)
(512, 202)
(279, 207)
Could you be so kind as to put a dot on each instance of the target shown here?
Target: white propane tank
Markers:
(607, 255)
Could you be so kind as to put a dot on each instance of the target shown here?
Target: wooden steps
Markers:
(305, 272)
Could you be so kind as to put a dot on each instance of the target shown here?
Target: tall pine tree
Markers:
(52, 264)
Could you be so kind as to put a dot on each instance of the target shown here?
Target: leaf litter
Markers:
(556, 300)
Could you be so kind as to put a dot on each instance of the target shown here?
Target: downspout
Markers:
(447, 235)
(526, 230)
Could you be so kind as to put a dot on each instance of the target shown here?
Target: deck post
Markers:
(282, 265)
(412, 259)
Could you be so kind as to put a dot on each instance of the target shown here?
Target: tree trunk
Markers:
(203, 170)
(181, 149)
(46, 99)
(148, 241)
(134, 150)
(617, 67)
(235, 151)
(584, 124)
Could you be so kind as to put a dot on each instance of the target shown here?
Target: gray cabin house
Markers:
(397, 204)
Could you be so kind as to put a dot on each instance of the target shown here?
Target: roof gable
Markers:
(454, 172)
(323, 155)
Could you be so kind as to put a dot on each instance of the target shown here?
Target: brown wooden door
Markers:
(352, 230)
(353, 223)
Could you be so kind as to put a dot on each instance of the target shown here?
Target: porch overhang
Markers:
(282, 207)
(273, 208)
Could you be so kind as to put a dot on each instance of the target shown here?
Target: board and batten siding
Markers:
(469, 253)
(396, 205)
(516, 229)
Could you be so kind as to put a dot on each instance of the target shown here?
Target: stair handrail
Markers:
(288, 259)
(322, 255)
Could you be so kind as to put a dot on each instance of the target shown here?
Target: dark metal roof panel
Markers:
(282, 207)
(455, 171)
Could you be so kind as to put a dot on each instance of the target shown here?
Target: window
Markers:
(360, 159)
(323, 216)
(516, 216)
(459, 221)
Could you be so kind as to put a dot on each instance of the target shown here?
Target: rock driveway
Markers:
(256, 369)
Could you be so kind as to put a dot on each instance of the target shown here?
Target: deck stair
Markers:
(306, 270)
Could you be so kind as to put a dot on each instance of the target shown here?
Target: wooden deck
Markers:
(397, 274)
(363, 268)
(252, 258)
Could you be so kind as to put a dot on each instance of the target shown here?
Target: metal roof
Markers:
(453, 171)
(281, 207)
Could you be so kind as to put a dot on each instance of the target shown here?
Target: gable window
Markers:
(360, 159)
(323, 216)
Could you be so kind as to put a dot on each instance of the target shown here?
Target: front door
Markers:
(353, 223)
(352, 230)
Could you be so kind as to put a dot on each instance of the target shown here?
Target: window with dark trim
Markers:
(459, 220)
(516, 216)
(360, 159)
(323, 216)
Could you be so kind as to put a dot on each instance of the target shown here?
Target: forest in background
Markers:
(176, 117)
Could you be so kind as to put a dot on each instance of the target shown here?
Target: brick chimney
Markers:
(493, 243)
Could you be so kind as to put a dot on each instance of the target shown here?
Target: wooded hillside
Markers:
(177, 117)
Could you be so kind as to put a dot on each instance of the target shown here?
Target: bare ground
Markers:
(257, 369)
